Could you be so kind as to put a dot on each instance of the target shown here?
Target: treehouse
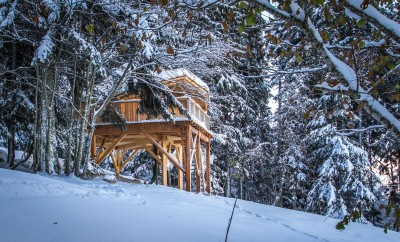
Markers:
(183, 142)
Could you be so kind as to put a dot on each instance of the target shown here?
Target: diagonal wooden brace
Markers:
(130, 157)
(170, 157)
(107, 151)
(156, 157)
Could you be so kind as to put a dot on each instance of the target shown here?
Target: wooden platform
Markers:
(183, 143)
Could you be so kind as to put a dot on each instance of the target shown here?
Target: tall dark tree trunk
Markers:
(37, 155)
(50, 131)
(11, 126)
(11, 146)
(67, 168)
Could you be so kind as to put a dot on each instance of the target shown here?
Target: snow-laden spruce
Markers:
(343, 175)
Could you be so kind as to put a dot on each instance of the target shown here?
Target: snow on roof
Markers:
(182, 72)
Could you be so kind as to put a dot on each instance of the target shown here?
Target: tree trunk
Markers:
(37, 155)
(83, 143)
(50, 134)
(11, 127)
(78, 159)
(11, 146)
(67, 164)
(241, 187)
(227, 189)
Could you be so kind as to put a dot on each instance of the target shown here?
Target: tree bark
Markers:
(50, 128)
(67, 164)
(37, 155)
(11, 146)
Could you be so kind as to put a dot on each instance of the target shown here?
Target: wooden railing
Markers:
(129, 109)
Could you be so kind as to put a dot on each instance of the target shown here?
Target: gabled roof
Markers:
(182, 72)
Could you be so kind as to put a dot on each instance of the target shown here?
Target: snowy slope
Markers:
(39, 208)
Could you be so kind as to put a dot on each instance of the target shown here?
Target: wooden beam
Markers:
(160, 148)
(156, 157)
(93, 147)
(114, 161)
(208, 167)
(132, 145)
(198, 160)
(106, 152)
(188, 162)
(101, 147)
(130, 157)
(179, 154)
(204, 138)
(193, 148)
(118, 155)
(122, 156)
(164, 171)
(144, 127)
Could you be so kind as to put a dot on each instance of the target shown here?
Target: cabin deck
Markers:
(128, 108)
(184, 142)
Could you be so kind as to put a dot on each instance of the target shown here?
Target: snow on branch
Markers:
(271, 7)
(297, 11)
(372, 106)
(290, 72)
(95, 55)
(7, 20)
(337, 88)
(354, 131)
(44, 50)
(351, 14)
(372, 12)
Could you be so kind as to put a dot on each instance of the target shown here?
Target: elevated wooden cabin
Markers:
(182, 142)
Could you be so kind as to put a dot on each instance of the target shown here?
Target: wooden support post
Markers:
(179, 154)
(118, 155)
(208, 168)
(154, 155)
(164, 162)
(188, 161)
(104, 154)
(164, 151)
(101, 147)
(115, 162)
(198, 160)
(123, 154)
(93, 148)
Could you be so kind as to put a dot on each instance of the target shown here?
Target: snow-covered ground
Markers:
(39, 208)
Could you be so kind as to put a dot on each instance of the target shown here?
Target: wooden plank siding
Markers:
(129, 109)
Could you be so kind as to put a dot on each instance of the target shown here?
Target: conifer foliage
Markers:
(334, 66)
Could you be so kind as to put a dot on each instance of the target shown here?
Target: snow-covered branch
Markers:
(374, 14)
(378, 111)
(290, 72)
(343, 132)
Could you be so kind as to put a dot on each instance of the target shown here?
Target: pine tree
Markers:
(342, 183)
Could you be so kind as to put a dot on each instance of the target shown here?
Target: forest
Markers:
(304, 103)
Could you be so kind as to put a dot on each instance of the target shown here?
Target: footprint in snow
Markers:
(247, 211)
(287, 226)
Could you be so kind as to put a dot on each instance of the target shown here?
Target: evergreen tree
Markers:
(342, 169)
